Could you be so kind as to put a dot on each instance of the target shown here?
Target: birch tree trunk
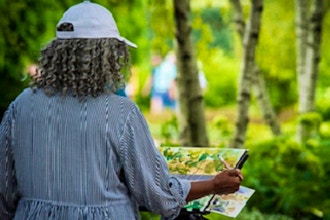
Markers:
(308, 38)
(247, 73)
(191, 101)
(258, 83)
(301, 8)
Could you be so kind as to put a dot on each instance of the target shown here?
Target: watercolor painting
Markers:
(202, 163)
(230, 205)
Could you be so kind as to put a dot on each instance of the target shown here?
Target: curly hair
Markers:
(83, 67)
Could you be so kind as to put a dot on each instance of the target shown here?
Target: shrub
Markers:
(288, 178)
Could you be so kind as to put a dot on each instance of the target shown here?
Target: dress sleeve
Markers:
(146, 172)
(8, 185)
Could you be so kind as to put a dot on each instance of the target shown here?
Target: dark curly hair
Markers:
(82, 67)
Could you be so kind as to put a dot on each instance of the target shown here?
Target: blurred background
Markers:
(290, 178)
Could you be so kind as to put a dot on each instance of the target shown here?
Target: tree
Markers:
(248, 72)
(258, 84)
(191, 102)
(308, 41)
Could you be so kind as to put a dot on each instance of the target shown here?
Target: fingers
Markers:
(235, 173)
(228, 181)
(240, 175)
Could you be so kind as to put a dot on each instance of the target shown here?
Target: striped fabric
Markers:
(95, 159)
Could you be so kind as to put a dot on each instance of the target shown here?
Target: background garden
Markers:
(290, 177)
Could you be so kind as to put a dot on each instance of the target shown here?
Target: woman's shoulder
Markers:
(24, 94)
(29, 92)
(113, 101)
(123, 102)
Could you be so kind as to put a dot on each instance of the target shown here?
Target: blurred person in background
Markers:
(161, 84)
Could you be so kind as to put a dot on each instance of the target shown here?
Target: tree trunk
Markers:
(247, 73)
(301, 45)
(258, 84)
(263, 99)
(308, 37)
(190, 97)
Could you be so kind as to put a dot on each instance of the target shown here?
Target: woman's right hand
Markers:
(227, 181)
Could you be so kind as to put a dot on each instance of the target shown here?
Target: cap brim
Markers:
(129, 43)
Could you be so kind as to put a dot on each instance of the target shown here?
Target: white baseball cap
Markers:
(90, 20)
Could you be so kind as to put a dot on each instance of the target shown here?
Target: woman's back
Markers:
(70, 149)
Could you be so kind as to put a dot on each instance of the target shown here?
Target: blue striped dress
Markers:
(95, 159)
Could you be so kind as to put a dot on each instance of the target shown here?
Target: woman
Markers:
(70, 148)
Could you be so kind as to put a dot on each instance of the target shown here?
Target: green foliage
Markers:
(221, 73)
(221, 123)
(281, 91)
(149, 216)
(142, 102)
(310, 119)
(212, 18)
(253, 214)
(246, 214)
(19, 30)
(287, 177)
(310, 123)
(214, 49)
(220, 131)
(325, 130)
(170, 130)
(322, 150)
(132, 21)
(161, 23)
(25, 26)
(323, 103)
(324, 73)
(276, 51)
